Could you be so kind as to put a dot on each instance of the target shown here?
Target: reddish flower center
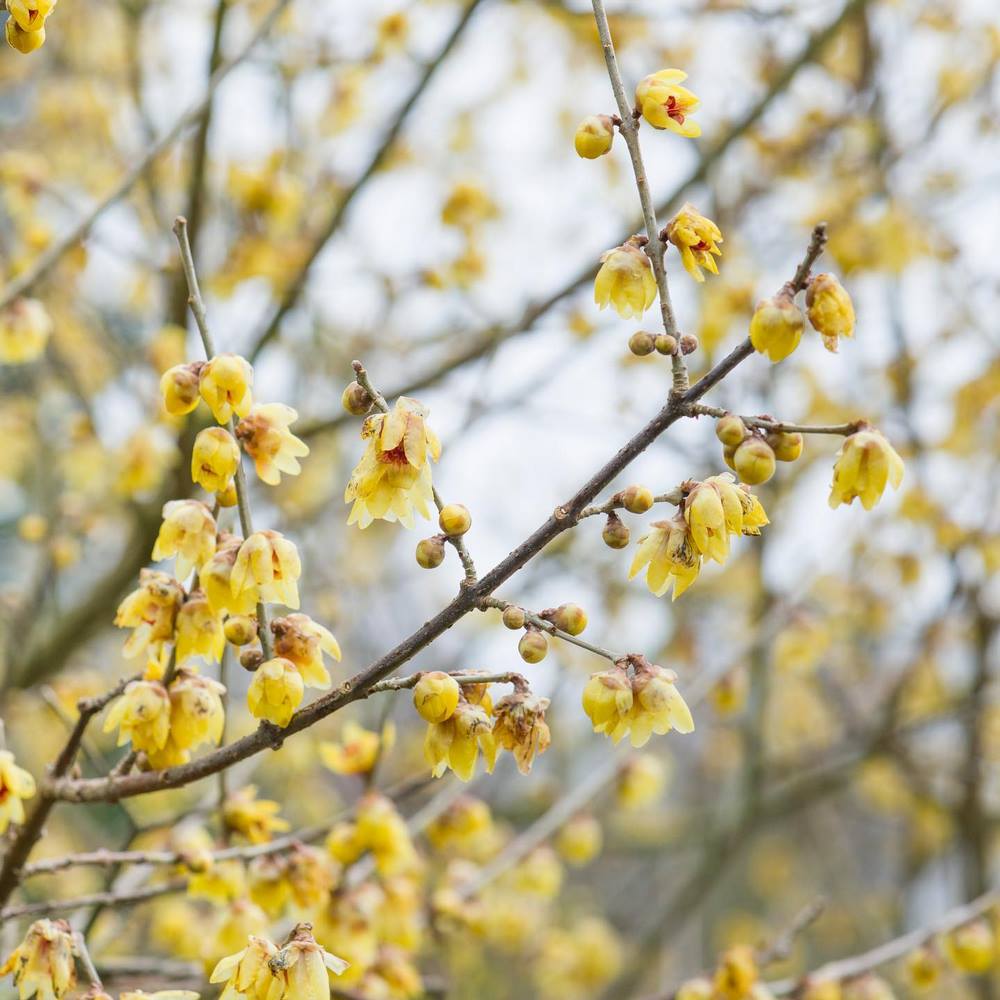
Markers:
(395, 456)
(674, 110)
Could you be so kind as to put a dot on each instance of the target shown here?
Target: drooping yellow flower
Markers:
(864, 465)
(142, 715)
(188, 531)
(275, 691)
(971, 948)
(268, 885)
(16, 784)
(393, 477)
(670, 555)
(697, 239)
(199, 630)
(776, 327)
(226, 383)
(830, 310)
(311, 876)
(247, 974)
(150, 611)
(25, 326)
(657, 705)
(179, 388)
(214, 459)
(381, 829)
(467, 206)
(607, 700)
(215, 579)
(736, 974)
(625, 280)
(24, 42)
(667, 105)
(436, 696)
(30, 15)
(255, 819)
(594, 136)
(709, 521)
(273, 447)
(456, 743)
(520, 727)
(299, 639)
(43, 964)
(267, 567)
(196, 711)
(579, 841)
(641, 781)
(358, 749)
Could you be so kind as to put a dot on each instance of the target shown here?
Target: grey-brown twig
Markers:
(778, 426)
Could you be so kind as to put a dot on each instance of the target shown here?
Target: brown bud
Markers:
(637, 499)
(641, 343)
(430, 552)
(666, 344)
(689, 343)
(513, 617)
(356, 400)
(616, 533)
(251, 659)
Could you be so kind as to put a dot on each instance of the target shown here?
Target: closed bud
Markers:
(251, 659)
(179, 387)
(594, 136)
(240, 629)
(616, 533)
(754, 461)
(513, 617)
(455, 519)
(23, 41)
(786, 447)
(570, 618)
(533, 646)
(436, 696)
(776, 327)
(830, 310)
(356, 400)
(641, 343)
(689, 343)
(637, 499)
(430, 552)
(227, 497)
(730, 430)
(665, 344)
(729, 454)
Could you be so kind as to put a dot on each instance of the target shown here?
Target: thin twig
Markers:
(125, 898)
(779, 426)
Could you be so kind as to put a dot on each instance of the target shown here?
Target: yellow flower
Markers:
(625, 280)
(273, 447)
(255, 819)
(268, 886)
(697, 239)
(971, 948)
(579, 841)
(776, 327)
(709, 519)
(520, 727)
(436, 696)
(607, 700)
(864, 464)
(665, 104)
(641, 781)
(24, 42)
(311, 876)
(16, 784)
(830, 310)
(215, 579)
(358, 750)
(196, 711)
(221, 883)
(225, 385)
(214, 459)
(43, 963)
(30, 15)
(247, 973)
(380, 828)
(736, 974)
(179, 388)
(267, 566)
(25, 326)
(150, 611)
(657, 705)
(670, 555)
(275, 691)
(393, 477)
(923, 968)
(199, 630)
(466, 206)
(299, 639)
(456, 743)
(594, 136)
(188, 531)
(142, 715)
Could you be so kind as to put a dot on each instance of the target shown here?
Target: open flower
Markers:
(456, 742)
(607, 700)
(188, 531)
(16, 784)
(199, 630)
(657, 705)
(275, 691)
(625, 280)
(667, 105)
(864, 464)
(520, 727)
(215, 579)
(669, 555)
(299, 639)
(247, 973)
(697, 239)
(358, 749)
(267, 567)
(255, 819)
(215, 458)
(273, 447)
(196, 711)
(43, 963)
(150, 611)
(393, 477)
(226, 381)
(142, 715)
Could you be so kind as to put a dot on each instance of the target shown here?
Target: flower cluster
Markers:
(377, 829)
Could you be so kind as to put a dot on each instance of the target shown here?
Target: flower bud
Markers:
(513, 617)
(430, 552)
(594, 136)
(637, 499)
(23, 41)
(786, 447)
(533, 646)
(251, 659)
(615, 533)
(776, 327)
(455, 519)
(689, 343)
(728, 454)
(730, 430)
(356, 400)
(641, 343)
(240, 629)
(570, 618)
(436, 696)
(179, 387)
(665, 344)
(754, 461)
(214, 459)
(830, 310)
